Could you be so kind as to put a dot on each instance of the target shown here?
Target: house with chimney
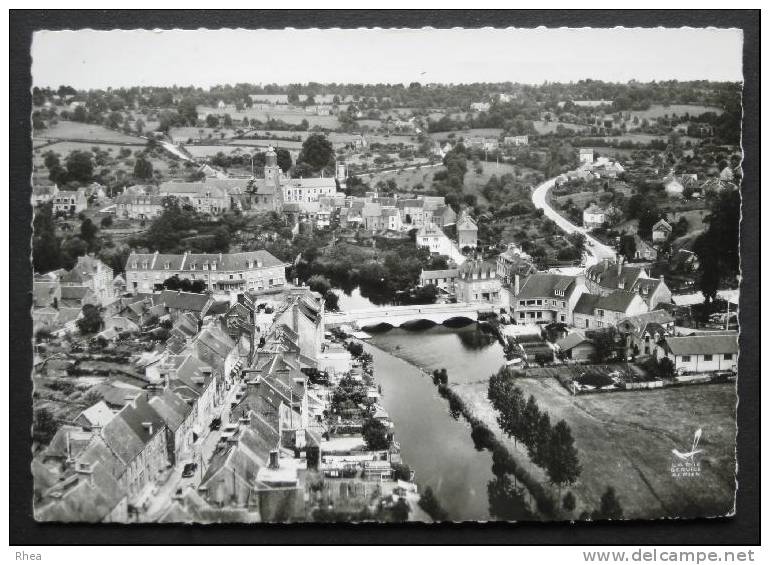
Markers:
(179, 419)
(204, 197)
(443, 279)
(661, 231)
(477, 282)
(467, 231)
(433, 237)
(513, 261)
(606, 277)
(643, 331)
(594, 217)
(594, 311)
(543, 298)
(222, 273)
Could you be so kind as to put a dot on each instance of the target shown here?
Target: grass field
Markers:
(658, 110)
(624, 439)
(77, 130)
(181, 135)
(488, 132)
(473, 183)
(289, 116)
(550, 127)
(64, 148)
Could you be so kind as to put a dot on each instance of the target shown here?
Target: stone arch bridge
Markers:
(397, 316)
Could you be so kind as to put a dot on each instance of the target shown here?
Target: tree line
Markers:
(551, 447)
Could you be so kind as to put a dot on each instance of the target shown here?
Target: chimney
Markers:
(295, 317)
(131, 399)
(662, 279)
(85, 472)
(516, 284)
(147, 426)
(273, 459)
(620, 265)
(606, 262)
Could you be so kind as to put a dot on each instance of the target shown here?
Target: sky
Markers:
(100, 59)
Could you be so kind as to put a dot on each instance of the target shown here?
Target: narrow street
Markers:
(595, 250)
(203, 451)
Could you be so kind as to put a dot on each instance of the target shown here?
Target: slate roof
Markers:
(640, 321)
(586, 304)
(89, 501)
(192, 189)
(606, 275)
(224, 261)
(702, 344)
(43, 293)
(571, 340)
(98, 415)
(188, 301)
(465, 222)
(478, 267)
(439, 274)
(171, 408)
(126, 433)
(543, 285)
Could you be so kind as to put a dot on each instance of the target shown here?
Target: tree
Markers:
(563, 467)
(317, 152)
(506, 500)
(578, 240)
(605, 345)
(212, 121)
(568, 502)
(80, 166)
(610, 508)
(628, 246)
(375, 435)
(430, 504)
(666, 369)
(88, 231)
(185, 285)
(283, 158)
(401, 472)
(46, 245)
(717, 247)
(188, 111)
(143, 168)
(106, 222)
(91, 321)
(44, 426)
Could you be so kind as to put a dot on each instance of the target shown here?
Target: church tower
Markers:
(341, 175)
(273, 177)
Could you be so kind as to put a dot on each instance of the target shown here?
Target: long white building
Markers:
(255, 271)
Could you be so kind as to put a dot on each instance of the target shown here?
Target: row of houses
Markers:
(59, 296)
(221, 273)
(653, 334)
(604, 295)
(106, 463)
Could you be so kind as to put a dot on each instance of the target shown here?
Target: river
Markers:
(436, 445)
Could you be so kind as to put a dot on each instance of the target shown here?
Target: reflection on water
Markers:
(507, 501)
(435, 445)
(435, 440)
(468, 354)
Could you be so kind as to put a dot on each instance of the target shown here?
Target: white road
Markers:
(595, 250)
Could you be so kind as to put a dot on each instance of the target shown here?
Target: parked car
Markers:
(189, 470)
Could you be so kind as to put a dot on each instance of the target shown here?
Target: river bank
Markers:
(472, 470)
